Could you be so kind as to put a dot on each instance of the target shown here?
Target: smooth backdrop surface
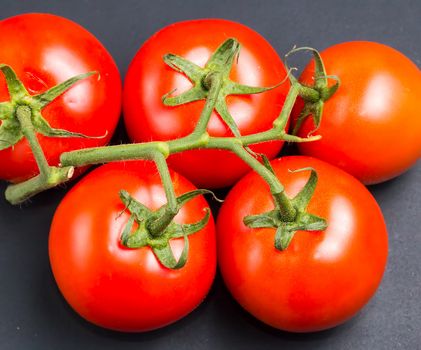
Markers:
(33, 315)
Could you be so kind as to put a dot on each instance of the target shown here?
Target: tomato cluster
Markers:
(305, 258)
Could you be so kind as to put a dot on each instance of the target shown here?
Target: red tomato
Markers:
(324, 277)
(116, 287)
(149, 78)
(371, 126)
(45, 50)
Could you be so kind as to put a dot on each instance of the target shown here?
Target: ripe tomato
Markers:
(111, 285)
(322, 278)
(149, 78)
(371, 126)
(45, 50)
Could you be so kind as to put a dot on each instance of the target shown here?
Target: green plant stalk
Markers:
(214, 80)
(198, 139)
(158, 225)
(23, 114)
(213, 85)
(136, 151)
(48, 177)
(285, 206)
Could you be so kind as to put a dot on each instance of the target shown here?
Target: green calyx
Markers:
(21, 118)
(301, 221)
(316, 95)
(11, 130)
(159, 241)
(220, 63)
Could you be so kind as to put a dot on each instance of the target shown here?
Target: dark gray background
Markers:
(33, 315)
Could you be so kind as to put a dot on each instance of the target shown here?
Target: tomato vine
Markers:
(213, 84)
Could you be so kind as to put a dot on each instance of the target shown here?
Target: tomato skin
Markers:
(116, 287)
(322, 278)
(370, 127)
(91, 107)
(149, 78)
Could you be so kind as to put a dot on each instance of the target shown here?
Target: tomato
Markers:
(149, 78)
(371, 126)
(45, 50)
(322, 278)
(114, 286)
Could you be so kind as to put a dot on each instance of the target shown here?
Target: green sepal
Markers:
(303, 197)
(268, 219)
(181, 65)
(313, 109)
(302, 221)
(194, 94)
(316, 95)
(50, 95)
(134, 207)
(310, 222)
(180, 201)
(165, 254)
(124, 238)
(283, 237)
(223, 58)
(320, 80)
(184, 198)
(222, 109)
(166, 257)
(6, 110)
(239, 89)
(42, 126)
(188, 229)
(221, 62)
(10, 128)
(10, 133)
(15, 87)
(160, 244)
(329, 91)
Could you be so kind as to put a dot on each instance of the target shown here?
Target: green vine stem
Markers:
(48, 177)
(23, 114)
(137, 151)
(20, 192)
(155, 227)
(316, 95)
(204, 141)
(212, 84)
